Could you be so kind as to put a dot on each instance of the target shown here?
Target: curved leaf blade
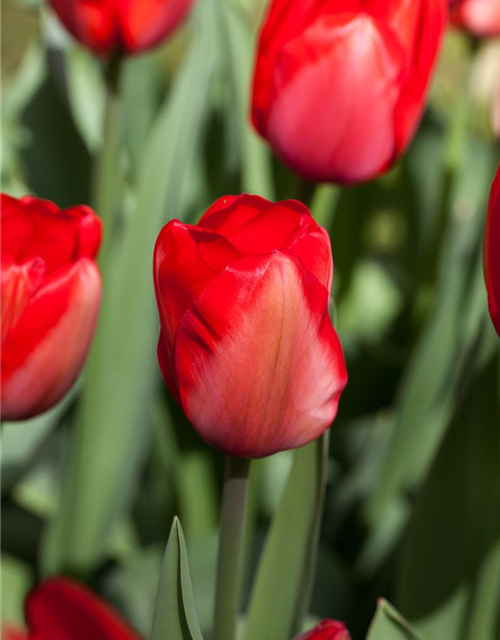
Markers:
(175, 616)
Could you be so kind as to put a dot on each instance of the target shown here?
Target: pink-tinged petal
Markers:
(186, 260)
(19, 284)
(94, 24)
(492, 253)
(284, 21)
(327, 630)
(479, 17)
(43, 352)
(259, 365)
(60, 609)
(335, 92)
(144, 23)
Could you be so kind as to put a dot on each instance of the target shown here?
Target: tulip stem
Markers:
(232, 529)
(107, 176)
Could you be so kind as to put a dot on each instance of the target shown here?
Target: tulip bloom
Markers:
(50, 296)
(60, 609)
(246, 343)
(481, 18)
(340, 85)
(492, 253)
(327, 630)
(124, 26)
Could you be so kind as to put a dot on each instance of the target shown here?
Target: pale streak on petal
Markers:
(273, 380)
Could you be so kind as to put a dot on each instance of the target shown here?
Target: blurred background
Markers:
(413, 497)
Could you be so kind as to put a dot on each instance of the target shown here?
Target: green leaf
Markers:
(430, 387)
(175, 616)
(122, 369)
(448, 579)
(281, 589)
(21, 440)
(388, 624)
(237, 38)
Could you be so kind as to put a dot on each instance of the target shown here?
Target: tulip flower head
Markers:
(120, 26)
(492, 253)
(327, 630)
(246, 343)
(340, 85)
(50, 296)
(61, 609)
(481, 18)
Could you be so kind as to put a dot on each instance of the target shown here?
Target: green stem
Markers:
(455, 148)
(305, 191)
(107, 176)
(231, 547)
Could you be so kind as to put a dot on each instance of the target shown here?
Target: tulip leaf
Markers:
(237, 42)
(281, 588)
(448, 580)
(388, 624)
(429, 390)
(175, 616)
(120, 381)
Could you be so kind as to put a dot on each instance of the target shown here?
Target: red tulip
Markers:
(126, 26)
(327, 630)
(246, 342)
(492, 253)
(50, 297)
(340, 85)
(480, 17)
(60, 609)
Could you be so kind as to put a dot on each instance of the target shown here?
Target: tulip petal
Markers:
(145, 23)
(327, 630)
(311, 244)
(420, 28)
(60, 609)
(186, 260)
(492, 253)
(34, 228)
(92, 23)
(229, 213)
(257, 349)
(351, 136)
(43, 353)
(19, 283)
(479, 17)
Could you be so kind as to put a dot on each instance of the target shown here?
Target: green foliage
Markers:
(175, 615)
(412, 501)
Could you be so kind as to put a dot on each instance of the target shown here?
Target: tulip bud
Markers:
(492, 253)
(327, 630)
(123, 26)
(246, 344)
(50, 296)
(61, 609)
(340, 86)
(481, 18)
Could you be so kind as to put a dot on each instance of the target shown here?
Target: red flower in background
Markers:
(481, 18)
(340, 85)
(327, 630)
(128, 26)
(50, 296)
(60, 609)
(492, 253)
(246, 344)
